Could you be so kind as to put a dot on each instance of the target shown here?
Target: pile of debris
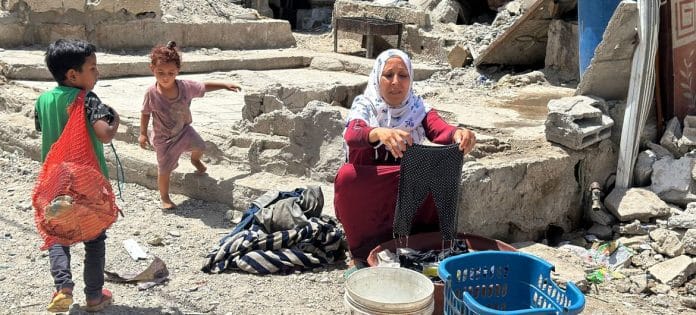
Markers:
(440, 31)
(642, 239)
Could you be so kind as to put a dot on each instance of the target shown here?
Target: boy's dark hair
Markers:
(65, 54)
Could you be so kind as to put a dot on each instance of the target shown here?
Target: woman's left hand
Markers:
(466, 140)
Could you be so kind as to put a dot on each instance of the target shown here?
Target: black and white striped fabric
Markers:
(252, 250)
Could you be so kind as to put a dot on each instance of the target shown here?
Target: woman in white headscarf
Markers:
(383, 121)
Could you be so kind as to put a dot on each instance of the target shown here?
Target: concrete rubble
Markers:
(285, 130)
(578, 122)
(133, 24)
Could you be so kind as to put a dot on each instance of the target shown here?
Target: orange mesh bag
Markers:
(72, 199)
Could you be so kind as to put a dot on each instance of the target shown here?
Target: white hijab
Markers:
(371, 107)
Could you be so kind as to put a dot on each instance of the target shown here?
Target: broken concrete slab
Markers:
(447, 11)
(671, 180)
(458, 56)
(666, 242)
(562, 53)
(635, 203)
(368, 9)
(670, 137)
(689, 131)
(132, 24)
(23, 64)
(689, 240)
(642, 171)
(682, 221)
(674, 272)
(609, 72)
(524, 43)
(577, 122)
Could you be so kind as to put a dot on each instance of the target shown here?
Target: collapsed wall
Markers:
(133, 24)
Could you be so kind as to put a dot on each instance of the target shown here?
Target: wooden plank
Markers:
(524, 43)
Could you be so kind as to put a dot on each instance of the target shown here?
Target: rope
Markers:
(120, 177)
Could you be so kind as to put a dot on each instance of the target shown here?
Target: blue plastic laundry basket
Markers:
(505, 283)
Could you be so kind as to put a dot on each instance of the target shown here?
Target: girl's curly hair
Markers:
(166, 54)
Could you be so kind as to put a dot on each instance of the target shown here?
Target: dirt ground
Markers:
(188, 232)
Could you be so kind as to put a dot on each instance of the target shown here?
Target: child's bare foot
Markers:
(200, 167)
(168, 204)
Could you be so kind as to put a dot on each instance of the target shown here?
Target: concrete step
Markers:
(28, 64)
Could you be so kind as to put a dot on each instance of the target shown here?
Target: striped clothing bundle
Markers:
(304, 247)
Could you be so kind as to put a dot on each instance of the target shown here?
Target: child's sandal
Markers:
(60, 302)
(106, 300)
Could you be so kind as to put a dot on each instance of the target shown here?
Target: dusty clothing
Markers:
(365, 189)
(363, 152)
(428, 170)
(365, 199)
(51, 115)
(95, 253)
(172, 133)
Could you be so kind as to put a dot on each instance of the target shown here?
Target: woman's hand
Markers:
(466, 139)
(395, 140)
(144, 141)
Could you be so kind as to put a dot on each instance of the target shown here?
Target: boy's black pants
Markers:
(93, 269)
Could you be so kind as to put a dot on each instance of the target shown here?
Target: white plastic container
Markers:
(388, 290)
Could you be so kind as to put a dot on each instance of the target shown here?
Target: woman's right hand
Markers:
(144, 141)
(395, 140)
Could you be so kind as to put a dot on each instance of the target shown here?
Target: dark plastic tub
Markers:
(433, 240)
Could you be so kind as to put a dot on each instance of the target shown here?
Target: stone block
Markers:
(643, 168)
(458, 57)
(48, 32)
(577, 122)
(326, 64)
(138, 6)
(689, 240)
(674, 272)
(261, 34)
(671, 179)
(9, 5)
(78, 5)
(689, 131)
(39, 6)
(667, 242)
(635, 203)
(609, 72)
(670, 138)
(11, 35)
(133, 7)
(682, 221)
(367, 9)
(446, 11)
(561, 53)
(426, 5)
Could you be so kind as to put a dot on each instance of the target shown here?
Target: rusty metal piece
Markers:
(596, 191)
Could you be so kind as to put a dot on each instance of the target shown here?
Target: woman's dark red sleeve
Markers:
(437, 129)
(358, 134)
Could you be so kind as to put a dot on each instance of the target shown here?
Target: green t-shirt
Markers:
(52, 115)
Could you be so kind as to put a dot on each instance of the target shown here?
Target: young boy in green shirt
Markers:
(73, 64)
